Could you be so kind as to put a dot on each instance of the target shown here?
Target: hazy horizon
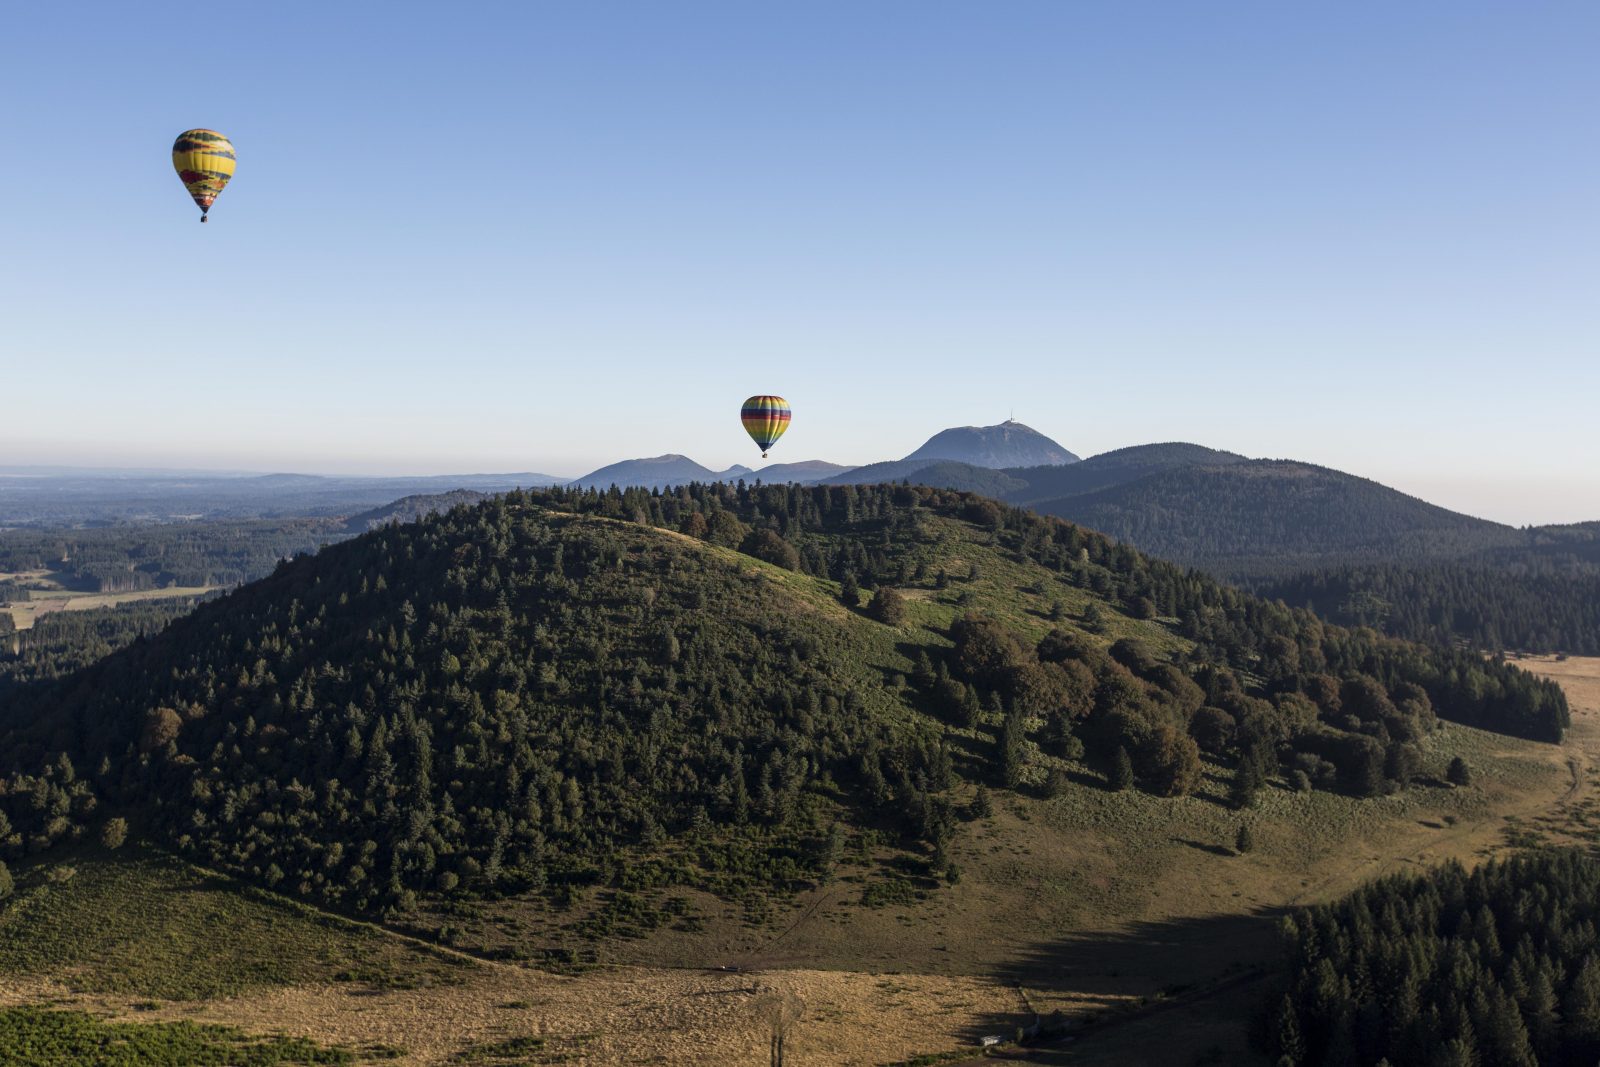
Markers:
(548, 239)
(1465, 494)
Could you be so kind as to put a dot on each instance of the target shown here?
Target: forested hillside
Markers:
(1117, 467)
(1266, 518)
(411, 508)
(717, 687)
(1358, 552)
(1529, 604)
(64, 641)
(1499, 965)
(128, 558)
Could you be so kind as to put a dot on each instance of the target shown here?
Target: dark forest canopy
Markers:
(1261, 518)
(61, 642)
(116, 559)
(1499, 965)
(1535, 604)
(715, 686)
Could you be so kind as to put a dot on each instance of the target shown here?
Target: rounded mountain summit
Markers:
(1010, 444)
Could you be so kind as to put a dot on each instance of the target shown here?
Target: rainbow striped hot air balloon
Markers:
(204, 161)
(765, 418)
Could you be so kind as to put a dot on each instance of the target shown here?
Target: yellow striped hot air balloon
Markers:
(204, 161)
(765, 418)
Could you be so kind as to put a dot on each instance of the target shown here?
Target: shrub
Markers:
(888, 606)
(768, 547)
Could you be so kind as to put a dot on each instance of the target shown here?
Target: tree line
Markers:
(119, 559)
(1454, 968)
(1536, 604)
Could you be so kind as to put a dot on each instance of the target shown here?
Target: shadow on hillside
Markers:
(1215, 850)
(1144, 958)
(1150, 960)
(1213, 800)
(1088, 779)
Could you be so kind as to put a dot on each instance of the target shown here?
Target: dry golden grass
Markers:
(1579, 676)
(616, 1016)
(44, 602)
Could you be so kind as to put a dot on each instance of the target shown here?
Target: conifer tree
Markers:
(1121, 774)
(1246, 784)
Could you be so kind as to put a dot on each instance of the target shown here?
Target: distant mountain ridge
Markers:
(1362, 552)
(1008, 444)
(804, 472)
(656, 472)
(1115, 468)
(412, 508)
(1247, 519)
(958, 452)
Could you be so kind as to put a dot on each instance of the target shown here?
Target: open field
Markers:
(1576, 822)
(140, 923)
(47, 594)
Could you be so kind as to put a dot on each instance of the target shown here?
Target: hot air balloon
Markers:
(765, 418)
(204, 162)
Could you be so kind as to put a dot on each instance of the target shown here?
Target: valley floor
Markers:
(1157, 929)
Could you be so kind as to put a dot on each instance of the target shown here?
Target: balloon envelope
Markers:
(204, 161)
(765, 418)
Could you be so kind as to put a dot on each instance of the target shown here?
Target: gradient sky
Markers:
(545, 237)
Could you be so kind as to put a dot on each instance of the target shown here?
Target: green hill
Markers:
(1112, 468)
(1260, 518)
(733, 691)
(1527, 603)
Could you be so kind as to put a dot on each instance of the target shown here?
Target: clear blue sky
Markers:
(548, 236)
